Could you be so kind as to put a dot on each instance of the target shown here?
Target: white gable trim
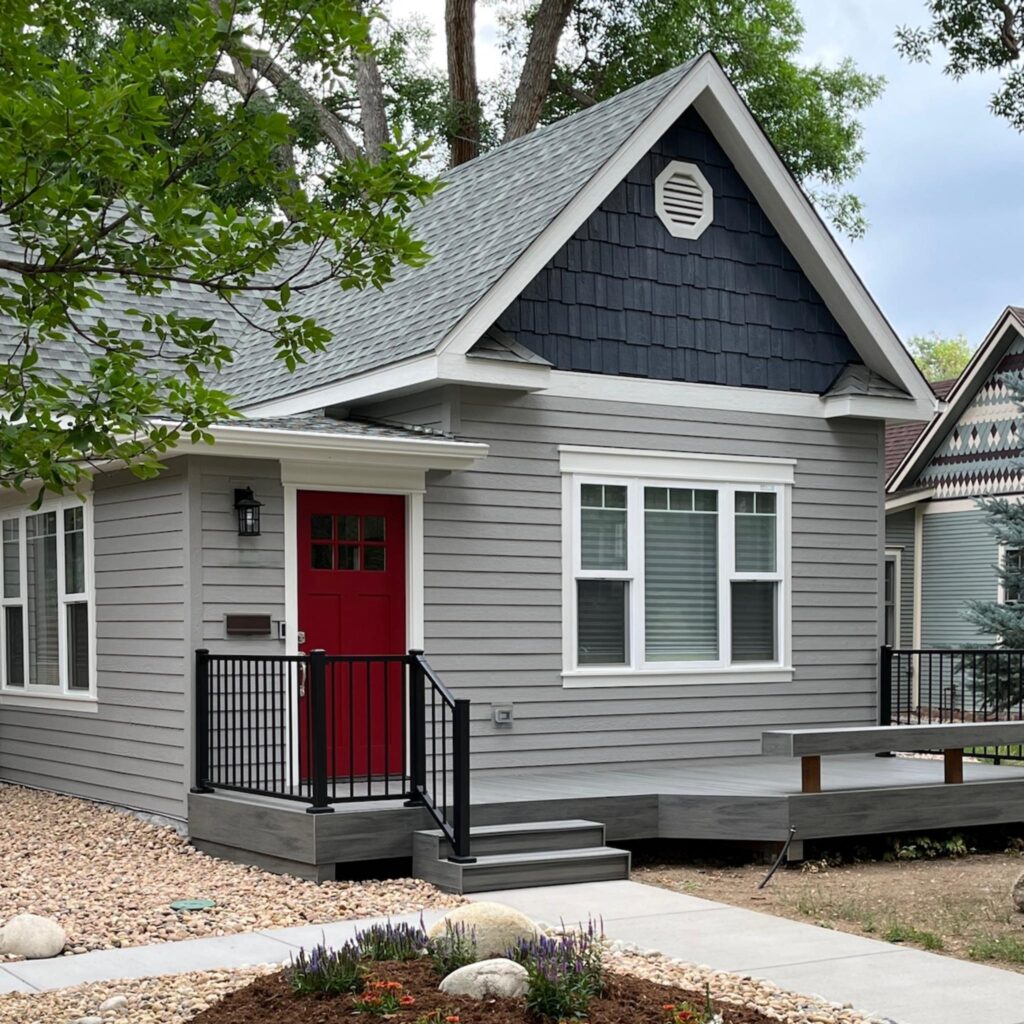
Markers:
(977, 371)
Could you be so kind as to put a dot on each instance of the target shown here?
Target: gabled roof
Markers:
(1008, 328)
(900, 437)
(487, 214)
(503, 215)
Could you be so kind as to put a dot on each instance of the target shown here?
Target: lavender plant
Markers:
(564, 973)
(392, 941)
(454, 949)
(332, 971)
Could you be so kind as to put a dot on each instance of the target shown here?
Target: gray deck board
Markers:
(736, 798)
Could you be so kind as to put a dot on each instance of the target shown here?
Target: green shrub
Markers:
(392, 941)
(332, 971)
(564, 973)
(452, 950)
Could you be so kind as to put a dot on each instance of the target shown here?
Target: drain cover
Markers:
(193, 904)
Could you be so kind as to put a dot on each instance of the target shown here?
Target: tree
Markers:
(977, 36)
(809, 113)
(562, 55)
(940, 358)
(117, 164)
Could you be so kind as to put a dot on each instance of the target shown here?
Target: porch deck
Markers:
(733, 798)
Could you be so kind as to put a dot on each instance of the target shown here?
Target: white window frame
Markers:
(1000, 587)
(34, 694)
(636, 470)
(894, 555)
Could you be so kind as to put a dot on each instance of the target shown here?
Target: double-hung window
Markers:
(674, 565)
(45, 612)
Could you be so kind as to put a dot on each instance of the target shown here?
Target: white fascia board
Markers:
(315, 446)
(892, 410)
(904, 501)
(396, 379)
(471, 327)
(455, 368)
(807, 237)
(982, 363)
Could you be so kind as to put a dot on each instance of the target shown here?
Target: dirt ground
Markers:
(960, 907)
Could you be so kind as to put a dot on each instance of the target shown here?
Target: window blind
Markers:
(753, 620)
(602, 622)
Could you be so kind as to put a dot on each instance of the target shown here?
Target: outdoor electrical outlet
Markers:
(502, 714)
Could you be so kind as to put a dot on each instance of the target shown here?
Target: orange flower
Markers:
(669, 1006)
(407, 1000)
(451, 1020)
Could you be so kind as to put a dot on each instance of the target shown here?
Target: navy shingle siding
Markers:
(732, 307)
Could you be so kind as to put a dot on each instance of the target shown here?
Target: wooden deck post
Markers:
(954, 759)
(810, 774)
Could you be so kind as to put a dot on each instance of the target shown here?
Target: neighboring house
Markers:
(940, 552)
(614, 458)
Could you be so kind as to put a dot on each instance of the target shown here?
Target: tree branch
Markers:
(535, 79)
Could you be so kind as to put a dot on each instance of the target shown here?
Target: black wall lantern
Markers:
(248, 509)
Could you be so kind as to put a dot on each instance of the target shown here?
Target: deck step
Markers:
(520, 855)
(524, 837)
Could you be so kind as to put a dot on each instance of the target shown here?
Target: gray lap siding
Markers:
(131, 751)
(494, 584)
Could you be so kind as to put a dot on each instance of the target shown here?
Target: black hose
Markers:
(778, 860)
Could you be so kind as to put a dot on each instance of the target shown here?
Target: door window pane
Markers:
(12, 559)
(348, 527)
(602, 622)
(322, 556)
(373, 528)
(78, 646)
(603, 524)
(681, 576)
(41, 566)
(14, 647)
(320, 527)
(373, 559)
(348, 557)
(755, 532)
(753, 621)
(74, 551)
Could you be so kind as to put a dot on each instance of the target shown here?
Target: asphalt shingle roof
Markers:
(321, 424)
(900, 437)
(475, 228)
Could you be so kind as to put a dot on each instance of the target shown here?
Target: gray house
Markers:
(940, 552)
(613, 459)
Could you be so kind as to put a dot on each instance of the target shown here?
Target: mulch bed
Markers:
(628, 1000)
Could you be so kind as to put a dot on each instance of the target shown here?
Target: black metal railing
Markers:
(953, 685)
(326, 729)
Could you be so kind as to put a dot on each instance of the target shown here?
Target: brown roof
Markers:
(899, 439)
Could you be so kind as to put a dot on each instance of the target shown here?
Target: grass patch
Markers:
(906, 933)
(1004, 948)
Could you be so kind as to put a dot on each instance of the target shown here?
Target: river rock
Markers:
(488, 979)
(494, 928)
(32, 937)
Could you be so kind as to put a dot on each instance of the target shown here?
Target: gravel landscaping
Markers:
(109, 878)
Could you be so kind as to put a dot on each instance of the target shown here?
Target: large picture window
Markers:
(675, 563)
(45, 625)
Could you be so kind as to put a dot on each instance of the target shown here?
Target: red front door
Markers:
(351, 554)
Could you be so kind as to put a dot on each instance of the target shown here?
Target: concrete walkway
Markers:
(907, 986)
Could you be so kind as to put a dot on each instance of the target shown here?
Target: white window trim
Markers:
(34, 695)
(635, 469)
(1001, 559)
(895, 555)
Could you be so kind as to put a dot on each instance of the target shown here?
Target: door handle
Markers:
(302, 679)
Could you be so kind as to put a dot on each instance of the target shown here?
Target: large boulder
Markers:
(32, 937)
(488, 979)
(494, 928)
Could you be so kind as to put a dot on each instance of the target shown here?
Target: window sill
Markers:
(605, 679)
(82, 705)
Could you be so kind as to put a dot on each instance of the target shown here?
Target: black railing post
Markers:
(460, 783)
(318, 729)
(417, 730)
(201, 723)
(885, 686)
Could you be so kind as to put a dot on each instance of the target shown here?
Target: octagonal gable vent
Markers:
(683, 200)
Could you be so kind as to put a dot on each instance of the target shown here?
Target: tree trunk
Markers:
(373, 118)
(535, 79)
(464, 134)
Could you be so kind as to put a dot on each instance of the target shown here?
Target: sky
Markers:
(942, 182)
